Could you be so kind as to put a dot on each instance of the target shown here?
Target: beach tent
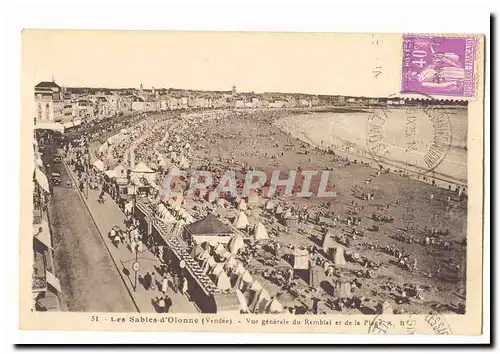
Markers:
(275, 306)
(220, 249)
(261, 302)
(253, 199)
(231, 262)
(342, 289)
(217, 269)
(260, 232)
(209, 264)
(243, 301)
(99, 165)
(236, 244)
(39, 162)
(246, 280)
(338, 256)
(301, 259)
(212, 196)
(239, 269)
(269, 205)
(242, 205)
(223, 282)
(279, 210)
(241, 221)
(328, 241)
(141, 167)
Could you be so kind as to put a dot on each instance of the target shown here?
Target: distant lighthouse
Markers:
(234, 90)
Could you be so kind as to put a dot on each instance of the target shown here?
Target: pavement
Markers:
(89, 279)
(105, 216)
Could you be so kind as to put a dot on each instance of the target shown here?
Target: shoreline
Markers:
(442, 180)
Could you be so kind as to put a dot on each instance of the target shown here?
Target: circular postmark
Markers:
(413, 138)
(409, 324)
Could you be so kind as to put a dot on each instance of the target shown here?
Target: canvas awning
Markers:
(53, 281)
(43, 235)
(42, 180)
(111, 174)
(50, 126)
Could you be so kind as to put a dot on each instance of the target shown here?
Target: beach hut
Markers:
(260, 232)
(338, 256)
(301, 259)
(328, 241)
(208, 229)
(236, 244)
(241, 221)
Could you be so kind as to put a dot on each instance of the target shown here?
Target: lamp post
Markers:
(136, 266)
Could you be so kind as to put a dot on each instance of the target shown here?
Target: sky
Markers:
(260, 62)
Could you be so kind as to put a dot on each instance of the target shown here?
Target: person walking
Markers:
(153, 281)
(185, 287)
(175, 282)
(164, 284)
(168, 303)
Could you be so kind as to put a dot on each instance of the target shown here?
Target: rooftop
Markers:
(47, 84)
(210, 225)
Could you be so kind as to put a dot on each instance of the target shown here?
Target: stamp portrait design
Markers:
(172, 193)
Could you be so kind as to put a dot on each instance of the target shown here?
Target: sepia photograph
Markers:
(235, 175)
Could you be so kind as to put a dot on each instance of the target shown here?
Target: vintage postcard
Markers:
(252, 182)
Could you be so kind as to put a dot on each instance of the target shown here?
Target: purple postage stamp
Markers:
(439, 65)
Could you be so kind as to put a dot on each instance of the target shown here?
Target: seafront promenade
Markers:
(107, 215)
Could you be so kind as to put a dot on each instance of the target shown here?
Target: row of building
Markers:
(45, 286)
(62, 105)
